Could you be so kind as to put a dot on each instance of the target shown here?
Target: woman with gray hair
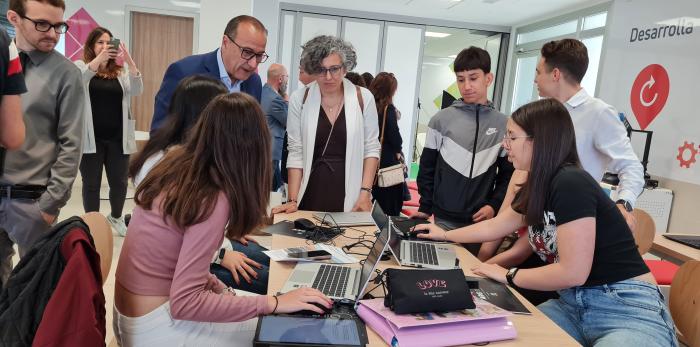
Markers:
(333, 134)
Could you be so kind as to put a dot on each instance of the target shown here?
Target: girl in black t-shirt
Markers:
(607, 295)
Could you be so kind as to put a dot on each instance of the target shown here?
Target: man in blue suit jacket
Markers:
(234, 63)
(275, 108)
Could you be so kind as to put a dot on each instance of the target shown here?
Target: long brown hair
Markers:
(112, 70)
(227, 151)
(383, 88)
(554, 146)
(191, 96)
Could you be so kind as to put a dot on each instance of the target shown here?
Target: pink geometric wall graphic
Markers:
(81, 24)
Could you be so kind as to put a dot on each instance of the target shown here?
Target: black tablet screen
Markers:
(308, 330)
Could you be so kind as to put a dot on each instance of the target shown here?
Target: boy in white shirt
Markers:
(601, 138)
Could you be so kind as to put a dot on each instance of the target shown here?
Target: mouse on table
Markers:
(304, 224)
(325, 309)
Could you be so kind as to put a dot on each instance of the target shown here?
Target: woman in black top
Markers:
(607, 295)
(383, 88)
(332, 134)
(109, 129)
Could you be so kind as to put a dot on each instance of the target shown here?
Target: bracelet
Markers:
(277, 302)
(445, 234)
(368, 190)
(292, 200)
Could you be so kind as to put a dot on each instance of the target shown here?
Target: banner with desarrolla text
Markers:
(651, 74)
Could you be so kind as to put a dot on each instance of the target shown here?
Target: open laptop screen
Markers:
(380, 219)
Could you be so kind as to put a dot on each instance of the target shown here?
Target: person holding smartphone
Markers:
(109, 128)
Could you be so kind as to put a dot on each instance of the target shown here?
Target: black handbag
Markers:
(421, 291)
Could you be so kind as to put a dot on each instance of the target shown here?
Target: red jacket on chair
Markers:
(75, 314)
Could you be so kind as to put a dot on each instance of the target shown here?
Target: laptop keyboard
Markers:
(332, 280)
(692, 242)
(423, 253)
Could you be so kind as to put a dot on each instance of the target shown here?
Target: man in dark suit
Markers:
(234, 63)
(275, 107)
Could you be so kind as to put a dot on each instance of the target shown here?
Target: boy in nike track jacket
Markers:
(464, 170)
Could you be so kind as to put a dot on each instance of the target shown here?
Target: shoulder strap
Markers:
(306, 94)
(381, 140)
(359, 99)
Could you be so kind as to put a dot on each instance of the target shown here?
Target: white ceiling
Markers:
(494, 12)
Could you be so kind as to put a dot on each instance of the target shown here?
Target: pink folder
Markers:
(442, 331)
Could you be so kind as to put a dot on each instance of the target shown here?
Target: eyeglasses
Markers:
(508, 139)
(334, 70)
(248, 54)
(44, 26)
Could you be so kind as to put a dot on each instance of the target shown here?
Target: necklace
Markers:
(331, 114)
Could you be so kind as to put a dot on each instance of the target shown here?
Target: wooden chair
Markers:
(102, 236)
(644, 232)
(685, 302)
(663, 270)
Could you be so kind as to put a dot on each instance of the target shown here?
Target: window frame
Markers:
(524, 49)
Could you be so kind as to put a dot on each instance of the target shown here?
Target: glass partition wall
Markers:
(437, 74)
(421, 61)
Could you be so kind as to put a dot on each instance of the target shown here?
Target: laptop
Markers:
(338, 282)
(415, 253)
(688, 240)
(344, 219)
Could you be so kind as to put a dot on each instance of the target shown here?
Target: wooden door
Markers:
(157, 41)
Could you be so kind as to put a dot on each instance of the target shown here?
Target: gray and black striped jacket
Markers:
(463, 166)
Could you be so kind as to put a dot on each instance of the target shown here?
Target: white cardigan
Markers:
(362, 136)
(131, 86)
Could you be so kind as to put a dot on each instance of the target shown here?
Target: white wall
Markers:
(215, 14)
(113, 14)
(268, 12)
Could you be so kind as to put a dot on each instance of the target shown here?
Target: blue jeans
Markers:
(254, 252)
(624, 313)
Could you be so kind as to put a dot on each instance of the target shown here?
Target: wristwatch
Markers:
(510, 275)
(626, 204)
(220, 257)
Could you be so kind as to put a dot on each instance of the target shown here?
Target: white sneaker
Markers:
(117, 224)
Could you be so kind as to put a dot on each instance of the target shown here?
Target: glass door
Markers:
(524, 89)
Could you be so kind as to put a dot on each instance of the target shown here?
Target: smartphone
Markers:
(316, 255)
(119, 60)
(114, 42)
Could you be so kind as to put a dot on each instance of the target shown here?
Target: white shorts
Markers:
(158, 328)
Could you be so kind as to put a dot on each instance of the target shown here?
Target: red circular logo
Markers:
(649, 94)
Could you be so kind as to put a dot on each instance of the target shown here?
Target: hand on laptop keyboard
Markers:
(301, 299)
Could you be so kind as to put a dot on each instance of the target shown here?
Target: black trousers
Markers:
(109, 155)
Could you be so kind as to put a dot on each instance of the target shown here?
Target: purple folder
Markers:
(441, 334)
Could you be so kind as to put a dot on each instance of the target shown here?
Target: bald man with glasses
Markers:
(234, 63)
(38, 176)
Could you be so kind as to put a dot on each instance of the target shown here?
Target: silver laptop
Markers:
(339, 282)
(344, 219)
(423, 254)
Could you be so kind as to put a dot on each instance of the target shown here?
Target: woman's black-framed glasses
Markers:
(333, 70)
(248, 54)
(44, 26)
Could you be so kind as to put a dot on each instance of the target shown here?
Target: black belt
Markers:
(21, 191)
